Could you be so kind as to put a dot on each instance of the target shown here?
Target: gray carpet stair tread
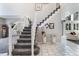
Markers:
(26, 35)
(23, 44)
(24, 38)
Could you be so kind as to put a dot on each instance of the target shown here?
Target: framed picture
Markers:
(68, 18)
(51, 25)
(38, 7)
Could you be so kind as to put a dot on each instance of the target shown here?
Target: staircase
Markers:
(23, 45)
(46, 18)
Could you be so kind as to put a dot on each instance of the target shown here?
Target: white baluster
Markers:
(10, 40)
(33, 32)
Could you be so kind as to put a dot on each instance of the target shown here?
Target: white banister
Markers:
(33, 33)
(49, 19)
(10, 39)
(19, 25)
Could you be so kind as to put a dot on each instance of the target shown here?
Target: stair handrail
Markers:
(23, 23)
(34, 24)
(57, 7)
(18, 24)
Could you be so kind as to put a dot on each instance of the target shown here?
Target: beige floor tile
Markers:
(70, 49)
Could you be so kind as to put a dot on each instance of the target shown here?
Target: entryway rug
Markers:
(74, 41)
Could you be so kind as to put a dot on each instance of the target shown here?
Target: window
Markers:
(76, 16)
(68, 26)
(76, 26)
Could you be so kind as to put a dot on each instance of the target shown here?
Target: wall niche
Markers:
(3, 28)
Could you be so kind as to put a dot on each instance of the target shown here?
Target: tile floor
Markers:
(48, 50)
(70, 49)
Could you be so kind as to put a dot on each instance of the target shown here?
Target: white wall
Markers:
(2, 21)
(3, 45)
(45, 11)
(56, 19)
(68, 8)
(20, 9)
